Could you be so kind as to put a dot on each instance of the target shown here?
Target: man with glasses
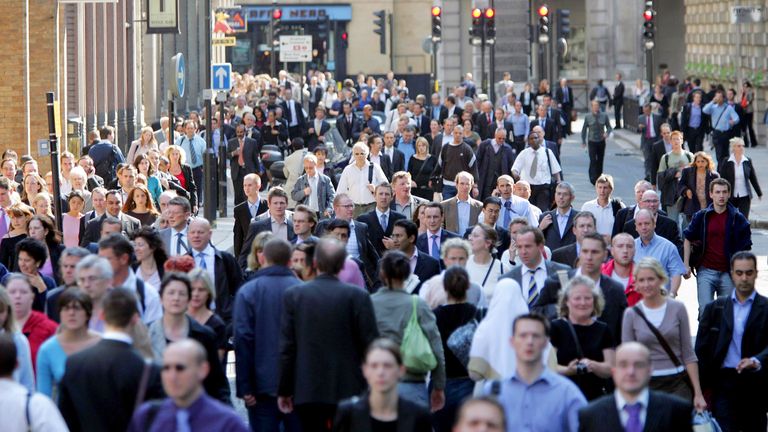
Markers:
(175, 236)
(187, 407)
(665, 227)
(304, 223)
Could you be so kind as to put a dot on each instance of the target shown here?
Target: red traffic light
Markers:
(543, 10)
(648, 14)
(490, 13)
(477, 13)
(344, 36)
(436, 11)
(277, 14)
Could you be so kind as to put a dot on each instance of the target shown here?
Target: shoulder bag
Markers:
(664, 344)
(417, 352)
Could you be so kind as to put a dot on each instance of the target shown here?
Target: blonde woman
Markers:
(144, 144)
(203, 296)
(42, 204)
(658, 317)
(255, 258)
(33, 185)
(178, 168)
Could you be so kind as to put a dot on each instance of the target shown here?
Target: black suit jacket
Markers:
(368, 254)
(665, 227)
(551, 128)
(659, 150)
(251, 156)
(422, 242)
(655, 121)
(386, 165)
(685, 118)
(243, 220)
(375, 231)
(483, 127)
(624, 215)
(559, 96)
(301, 120)
(422, 127)
(398, 160)
(255, 228)
(324, 372)
(229, 277)
(426, 268)
(613, 292)
(312, 139)
(349, 132)
(99, 387)
(443, 113)
(552, 234)
(716, 332)
(92, 232)
(566, 255)
(727, 170)
(354, 415)
(665, 412)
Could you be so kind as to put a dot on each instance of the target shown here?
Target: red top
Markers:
(38, 329)
(714, 253)
(182, 179)
(632, 296)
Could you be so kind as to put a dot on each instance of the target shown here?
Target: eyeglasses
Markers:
(177, 367)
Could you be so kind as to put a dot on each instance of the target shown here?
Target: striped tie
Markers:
(533, 293)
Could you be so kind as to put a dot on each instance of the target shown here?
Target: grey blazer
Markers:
(325, 192)
(165, 234)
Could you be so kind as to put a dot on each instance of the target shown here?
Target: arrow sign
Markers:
(221, 76)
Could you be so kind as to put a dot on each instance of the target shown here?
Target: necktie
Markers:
(384, 221)
(3, 224)
(180, 244)
(633, 422)
(253, 208)
(534, 165)
(544, 123)
(240, 158)
(418, 123)
(507, 214)
(435, 247)
(193, 154)
(533, 292)
(489, 118)
(182, 421)
(201, 256)
(648, 127)
(565, 95)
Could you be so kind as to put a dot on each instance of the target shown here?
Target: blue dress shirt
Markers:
(205, 414)
(721, 114)
(695, 120)
(664, 251)
(408, 149)
(740, 314)
(462, 209)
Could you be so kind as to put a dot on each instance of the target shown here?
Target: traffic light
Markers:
(476, 31)
(649, 27)
(490, 26)
(380, 28)
(543, 24)
(437, 25)
(277, 15)
(563, 23)
(345, 40)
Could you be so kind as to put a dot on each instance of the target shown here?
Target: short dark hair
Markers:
(394, 266)
(75, 295)
(456, 282)
(337, 223)
(532, 317)
(330, 256)
(311, 215)
(34, 248)
(106, 131)
(744, 256)
(308, 247)
(277, 251)
(433, 204)
(585, 214)
(383, 344)
(176, 277)
(119, 244)
(411, 230)
(719, 182)
(7, 354)
(492, 200)
(181, 201)
(119, 306)
(538, 236)
(596, 237)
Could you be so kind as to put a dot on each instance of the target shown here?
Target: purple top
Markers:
(47, 268)
(205, 414)
(351, 274)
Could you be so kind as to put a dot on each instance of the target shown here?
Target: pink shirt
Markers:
(351, 274)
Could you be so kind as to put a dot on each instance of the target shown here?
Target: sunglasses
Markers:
(176, 367)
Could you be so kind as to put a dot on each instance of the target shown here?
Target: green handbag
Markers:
(416, 350)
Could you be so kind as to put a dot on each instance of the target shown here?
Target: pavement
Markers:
(758, 213)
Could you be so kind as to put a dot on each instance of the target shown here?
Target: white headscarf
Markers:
(491, 356)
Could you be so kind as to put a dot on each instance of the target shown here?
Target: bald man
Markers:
(632, 406)
(221, 266)
(187, 406)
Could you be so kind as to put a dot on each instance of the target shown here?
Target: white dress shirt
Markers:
(354, 182)
(740, 188)
(540, 277)
(603, 215)
(543, 176)
(312, 198)
(175, 251)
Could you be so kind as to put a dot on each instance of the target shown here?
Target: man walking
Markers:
(618, 101)
(596, 129)
(724, 118)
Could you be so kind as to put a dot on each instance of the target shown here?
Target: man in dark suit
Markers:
(244, 154)
(395, 156)
(315, 376)
(494, 159)
(557, 224)
(648, 125)
(732, 348)
(276, 222)
(348, 125)
(484, 124)
(694, 123)
(659, 149)
(315, 95)
(101, 384)
(404, 235)
(665, 227)
(452, 109)
(532, 272)
(421, 119)
(246, 211)
(114, 205)
(617, 100)
(593, 251)
(221, 266)
(623, 410)
(490, 216)
(627, 213)
(583, 223)
(550, 126)
(437, 111)
(431, 241)
(377, 156)
(380, 234)
(316, 129)
(293, 115)
(564, 99)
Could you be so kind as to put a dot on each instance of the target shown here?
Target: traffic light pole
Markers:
(433, 88)
(483, 80)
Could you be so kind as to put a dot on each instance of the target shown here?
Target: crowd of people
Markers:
(440, 280)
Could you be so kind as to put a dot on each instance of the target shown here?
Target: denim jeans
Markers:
(448, 191)
(266, 417)
(709, 282)
(456, 391)
(415, 392)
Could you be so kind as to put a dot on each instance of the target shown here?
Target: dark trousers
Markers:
(566, 109)
(316, 417)
(617, 114)
(736, 403)
(457, 390)
(646, 144)
(295, 132)
(237, 184)
(743, 204)
(596, 158)
(541, 196)
(265, 416)
(695, 138)
(720, 141)
(749, 129)
(197, 175)
(519, 144)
